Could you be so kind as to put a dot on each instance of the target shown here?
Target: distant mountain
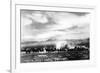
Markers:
(54, 39)
(71, 42)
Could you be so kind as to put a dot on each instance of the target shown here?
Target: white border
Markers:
(15, 51)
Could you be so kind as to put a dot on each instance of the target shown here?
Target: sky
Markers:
(45, 25)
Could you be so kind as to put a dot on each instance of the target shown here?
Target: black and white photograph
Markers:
(52, 36)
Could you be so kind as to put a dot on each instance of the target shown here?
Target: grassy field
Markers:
(54, 56)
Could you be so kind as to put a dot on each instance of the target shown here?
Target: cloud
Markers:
(66, 22)
(43, 25)
(39, 17)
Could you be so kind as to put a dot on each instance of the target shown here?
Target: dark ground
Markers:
(55, 56)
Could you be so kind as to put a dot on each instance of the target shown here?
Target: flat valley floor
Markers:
(69, 55)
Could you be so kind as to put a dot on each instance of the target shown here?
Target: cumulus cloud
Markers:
(44, 25)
